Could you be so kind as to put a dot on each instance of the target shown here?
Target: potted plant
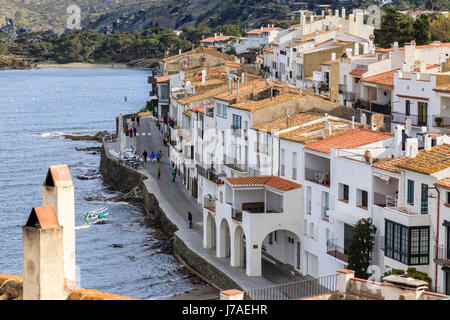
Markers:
(367, 155)
(438, 121)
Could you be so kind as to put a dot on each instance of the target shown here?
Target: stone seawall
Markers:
(126, 179)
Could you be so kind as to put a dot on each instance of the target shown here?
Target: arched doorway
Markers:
(281, 246)
(224, 240)
(210, 226)
(239, 254)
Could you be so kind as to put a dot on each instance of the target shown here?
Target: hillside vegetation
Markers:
(108, 16)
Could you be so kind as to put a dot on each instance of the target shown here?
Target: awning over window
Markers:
(344, 216)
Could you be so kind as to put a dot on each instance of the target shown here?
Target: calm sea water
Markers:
(36, 108)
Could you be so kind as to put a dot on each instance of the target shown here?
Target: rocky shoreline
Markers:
(13, 63)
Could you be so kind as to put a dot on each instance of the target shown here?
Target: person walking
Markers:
(159, 172)
(152, 156)
(145, 155)
(190, 219)
(131, 132)
(134, 130)
(158, 155)
(174, 175)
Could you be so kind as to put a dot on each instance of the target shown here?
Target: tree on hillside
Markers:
(361, 246)
(421, 30)
(3, 48)
(394, 27)
(440, 28)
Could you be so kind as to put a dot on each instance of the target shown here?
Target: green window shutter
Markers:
(410, 192)
(424, 199)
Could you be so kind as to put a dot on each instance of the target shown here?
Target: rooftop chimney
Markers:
(356, 49)
(343, 13)
(412, 147)
(43, 258)
(58, 192)
(203, 76)
(333, 56)
(427, 142)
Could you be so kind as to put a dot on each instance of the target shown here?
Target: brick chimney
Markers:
(58, 192)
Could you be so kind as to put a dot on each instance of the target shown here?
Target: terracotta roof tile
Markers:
(313, 133)
(269, 181)
(258, 31)
(389, 164)
(357, 72)
(384, 78)
(353, 139)
(257, 105)
(245, 89)
(217, 38)
(58, 176)
(429, 162)
(444, 183)
(162, 78)
(45, 216)
(282, 123)
(208, 94)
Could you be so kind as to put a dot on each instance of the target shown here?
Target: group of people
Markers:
(153, 156)
(132, 131)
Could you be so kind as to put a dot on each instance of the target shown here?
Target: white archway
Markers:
(238, 254)
(224, 241)
(209, 232)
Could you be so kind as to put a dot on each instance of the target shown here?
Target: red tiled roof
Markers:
(270, 181)
(444, 183)
(384, 78)
(58, 176)
(353, 139)
(217, 38)
(46, 217)
(426, 46)
(357, 72)
(163, 78)
(231, 64)
(258, 31)
(201, 109)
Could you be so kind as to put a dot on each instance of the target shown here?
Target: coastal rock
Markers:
(97, 137)
(134, 196)
(115, 245)
(8, 63)
(96, 149)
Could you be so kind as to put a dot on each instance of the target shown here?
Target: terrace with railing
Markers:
(209, 204)
(336, 251)
(442, 255)
(317, 176)
(295, 290)
(416, 120)
(374, 107)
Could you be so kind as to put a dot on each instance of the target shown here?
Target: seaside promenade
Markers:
(175, 201)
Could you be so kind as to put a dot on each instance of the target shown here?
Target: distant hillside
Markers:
(129, 15)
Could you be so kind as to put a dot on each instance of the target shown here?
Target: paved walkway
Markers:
(175, 201)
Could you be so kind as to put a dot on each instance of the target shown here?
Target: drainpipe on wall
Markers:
(437, 237)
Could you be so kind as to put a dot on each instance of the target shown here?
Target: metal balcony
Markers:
(336, 251)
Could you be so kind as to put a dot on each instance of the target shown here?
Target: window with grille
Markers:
(408, 245)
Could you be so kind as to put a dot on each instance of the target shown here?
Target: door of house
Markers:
(312, 265)
(422, 112)
(447, 282)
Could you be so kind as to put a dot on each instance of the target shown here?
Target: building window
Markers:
(424, 199)
(411, 192)
(408, 108)
(282, 173)
(237, 122)
(343, 192)
(308, 200)
(325, 205)
(448, 197)
(271, 238)
(294, 165)
(363, 199)
(409, 246)
(275, 236)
